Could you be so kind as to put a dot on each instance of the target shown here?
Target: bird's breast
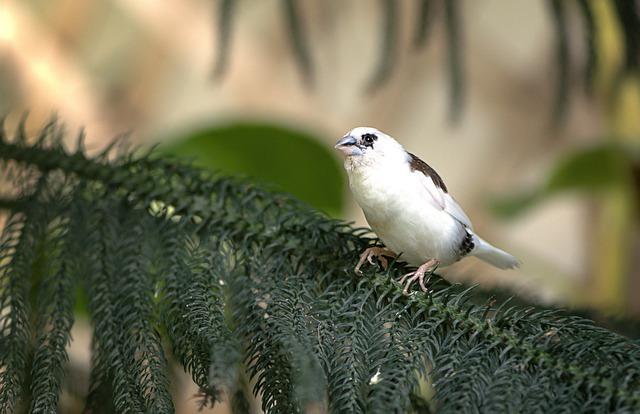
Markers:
(378, 193)
(397, 209)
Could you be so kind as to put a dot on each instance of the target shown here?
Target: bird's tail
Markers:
(492, 255)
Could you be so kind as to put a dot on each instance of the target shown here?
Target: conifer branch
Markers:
(244, 281)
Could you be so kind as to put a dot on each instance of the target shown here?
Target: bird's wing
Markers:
(437, 190)
(453, 208)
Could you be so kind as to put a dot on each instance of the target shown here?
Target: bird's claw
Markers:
(408, 279)
(377, 252)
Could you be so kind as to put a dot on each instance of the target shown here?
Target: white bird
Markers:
(408, 206)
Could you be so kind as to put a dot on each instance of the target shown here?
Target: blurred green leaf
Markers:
(587, 170)
(591, 169)
(293, 161)
(512, 205)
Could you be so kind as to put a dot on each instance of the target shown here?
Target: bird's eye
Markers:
(369, 138)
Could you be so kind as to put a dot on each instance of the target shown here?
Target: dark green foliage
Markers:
(193, 311)
(14, 322)
(248, 286)
(55, 295)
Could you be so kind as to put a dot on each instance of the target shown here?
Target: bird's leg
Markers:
(429, 266)
(378, 252)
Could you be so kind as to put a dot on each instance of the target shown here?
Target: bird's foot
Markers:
(377, 252)
(427, 267)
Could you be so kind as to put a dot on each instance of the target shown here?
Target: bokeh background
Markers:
(545, 164)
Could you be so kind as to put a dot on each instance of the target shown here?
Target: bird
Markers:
(409, 207)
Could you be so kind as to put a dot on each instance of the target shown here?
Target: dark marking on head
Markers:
(417, 164)
(368, 139)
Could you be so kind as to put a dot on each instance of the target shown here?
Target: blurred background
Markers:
(529, 110)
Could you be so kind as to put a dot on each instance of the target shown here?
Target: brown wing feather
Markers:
(419, 165)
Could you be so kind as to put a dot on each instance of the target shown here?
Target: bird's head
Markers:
(366, 144)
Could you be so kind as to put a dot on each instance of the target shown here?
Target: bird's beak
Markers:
(347, 145)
